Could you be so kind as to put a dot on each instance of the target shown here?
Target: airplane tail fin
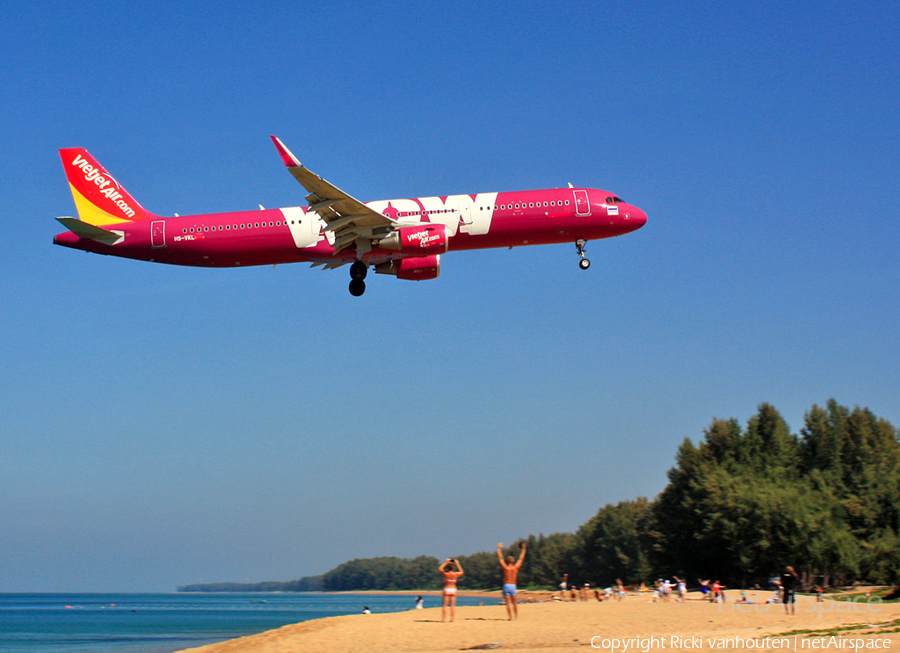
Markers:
(99, 198)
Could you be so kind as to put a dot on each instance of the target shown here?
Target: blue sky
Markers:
(163, 426)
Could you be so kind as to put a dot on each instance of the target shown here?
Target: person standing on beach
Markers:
(788, 586)
(510, 576)
(704, 586)
(450, 576)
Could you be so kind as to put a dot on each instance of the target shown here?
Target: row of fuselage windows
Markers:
(523, 205)
(500, 207)
(228, 227)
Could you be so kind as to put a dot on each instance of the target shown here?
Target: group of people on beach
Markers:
(451, 570)
(586, 592)
(714, 592)
(665, 590)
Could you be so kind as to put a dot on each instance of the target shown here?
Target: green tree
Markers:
(613, 544)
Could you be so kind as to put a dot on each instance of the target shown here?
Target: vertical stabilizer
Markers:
(99, 198)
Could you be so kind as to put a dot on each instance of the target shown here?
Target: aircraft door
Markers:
(582, 206)
(304, 226)
(158, 233)
(465, 213)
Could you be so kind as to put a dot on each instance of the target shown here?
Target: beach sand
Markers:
(549, 627)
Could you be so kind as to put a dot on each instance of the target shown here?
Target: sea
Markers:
(162, 623)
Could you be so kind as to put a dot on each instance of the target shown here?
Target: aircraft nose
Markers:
(636, 217)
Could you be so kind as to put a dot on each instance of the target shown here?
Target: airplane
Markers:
(400, 237)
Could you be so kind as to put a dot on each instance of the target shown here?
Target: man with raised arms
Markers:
(510, 575)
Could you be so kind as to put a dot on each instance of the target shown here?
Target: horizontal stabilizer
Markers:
(91, 232)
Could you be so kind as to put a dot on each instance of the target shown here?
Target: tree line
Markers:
(305, 584)
(739, 506)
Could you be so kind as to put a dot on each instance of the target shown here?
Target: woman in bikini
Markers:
(450, 575)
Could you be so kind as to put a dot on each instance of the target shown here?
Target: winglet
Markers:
(286, 155)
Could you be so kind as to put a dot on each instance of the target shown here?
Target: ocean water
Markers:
(162, 623)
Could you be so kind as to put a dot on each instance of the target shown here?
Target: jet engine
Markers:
(417, 268)
(425, 239)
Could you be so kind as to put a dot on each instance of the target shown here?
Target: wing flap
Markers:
(349, 219)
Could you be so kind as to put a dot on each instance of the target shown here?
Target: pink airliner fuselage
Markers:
(404, 237)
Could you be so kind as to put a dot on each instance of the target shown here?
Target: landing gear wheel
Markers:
(584, 264)
(359, 270)
(357, 287)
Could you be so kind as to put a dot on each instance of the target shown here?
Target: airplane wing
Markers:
(352, 222)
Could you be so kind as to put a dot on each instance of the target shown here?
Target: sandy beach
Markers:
(635, 624)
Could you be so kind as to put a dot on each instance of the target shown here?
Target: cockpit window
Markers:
(613, 200)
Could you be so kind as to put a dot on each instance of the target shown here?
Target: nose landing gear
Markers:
(358, 272)
(584, 263)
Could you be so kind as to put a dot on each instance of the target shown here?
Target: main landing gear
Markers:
(584, 264)
(358, 273)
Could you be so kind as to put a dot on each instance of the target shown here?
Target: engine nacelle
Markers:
(423, 239)
(417, 268)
